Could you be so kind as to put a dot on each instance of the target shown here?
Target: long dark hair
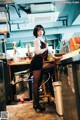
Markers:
(37, 28)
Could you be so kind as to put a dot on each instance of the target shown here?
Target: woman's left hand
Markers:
(58, 58)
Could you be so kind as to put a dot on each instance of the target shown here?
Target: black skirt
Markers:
(36, 63)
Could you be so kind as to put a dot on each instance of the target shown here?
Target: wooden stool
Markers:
(44, 93)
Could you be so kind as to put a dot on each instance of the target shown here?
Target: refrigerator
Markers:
(2, 88)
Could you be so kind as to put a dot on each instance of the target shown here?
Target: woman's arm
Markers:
(37, 48)
(53, 56)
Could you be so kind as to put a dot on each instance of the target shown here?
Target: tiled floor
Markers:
(24, 111)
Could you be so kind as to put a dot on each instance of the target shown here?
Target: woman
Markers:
(41, 52)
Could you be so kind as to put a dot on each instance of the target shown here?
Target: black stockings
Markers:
(37, 79)
(36, 83)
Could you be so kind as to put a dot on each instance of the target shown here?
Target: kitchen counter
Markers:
(70, 77)
(71, 57)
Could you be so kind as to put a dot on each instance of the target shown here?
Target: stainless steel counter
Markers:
(70, 77)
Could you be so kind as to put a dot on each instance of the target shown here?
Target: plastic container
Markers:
(57, 86)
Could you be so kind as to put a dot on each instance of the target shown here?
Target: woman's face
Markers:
(40, 33)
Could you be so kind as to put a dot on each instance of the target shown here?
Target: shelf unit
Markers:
(4, 27)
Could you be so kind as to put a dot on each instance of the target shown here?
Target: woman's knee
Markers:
(48, 65)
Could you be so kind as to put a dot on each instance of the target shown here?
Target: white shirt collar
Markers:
(41, 38)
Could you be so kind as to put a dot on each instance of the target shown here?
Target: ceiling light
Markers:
(43, 17)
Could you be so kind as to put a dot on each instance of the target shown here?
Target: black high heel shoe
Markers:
(38, 108)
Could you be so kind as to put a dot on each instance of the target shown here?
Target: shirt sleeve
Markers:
(37, 49)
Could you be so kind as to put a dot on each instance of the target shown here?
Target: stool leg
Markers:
(51, 87)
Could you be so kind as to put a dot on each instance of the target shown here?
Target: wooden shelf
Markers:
(3, 19)
(3, 31)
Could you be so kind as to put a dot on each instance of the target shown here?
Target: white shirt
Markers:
(37, 46)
